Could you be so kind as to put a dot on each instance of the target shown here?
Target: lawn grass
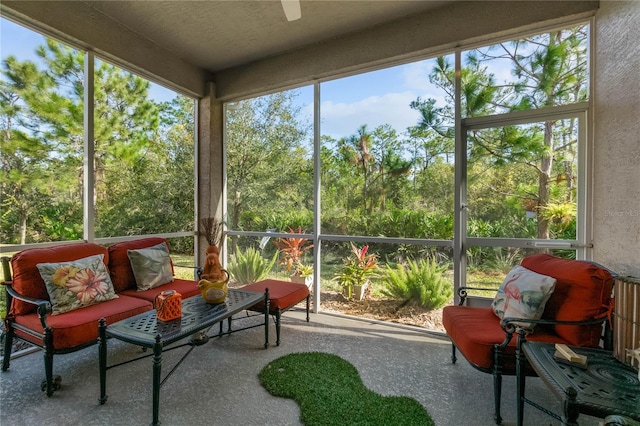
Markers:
(330, 391)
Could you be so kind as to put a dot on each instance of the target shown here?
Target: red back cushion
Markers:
(26, 276)
(120, 265)
(583, 291)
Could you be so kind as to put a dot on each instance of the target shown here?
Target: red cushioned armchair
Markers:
(573, 315)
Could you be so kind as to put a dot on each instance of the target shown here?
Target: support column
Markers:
(210, 162)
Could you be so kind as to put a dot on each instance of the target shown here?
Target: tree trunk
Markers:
(546, 164)
(235, 219)
(23, 228)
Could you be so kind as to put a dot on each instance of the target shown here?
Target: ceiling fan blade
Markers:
(291, 9)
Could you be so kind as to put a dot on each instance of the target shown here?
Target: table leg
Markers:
(571, 411)
(157, 371)
(102, 359)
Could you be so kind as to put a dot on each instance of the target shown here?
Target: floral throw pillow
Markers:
(75, 284)
(523, 294)
(151, 266)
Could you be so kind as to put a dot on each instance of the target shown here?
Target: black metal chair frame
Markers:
(510, 329)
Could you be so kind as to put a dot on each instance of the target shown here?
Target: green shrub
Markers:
(249, 266)
(420, 282)
(503, 260)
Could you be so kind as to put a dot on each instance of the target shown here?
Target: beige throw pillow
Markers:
(151, 266)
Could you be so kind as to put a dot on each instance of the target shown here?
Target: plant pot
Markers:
(359, 292)
(308, 280)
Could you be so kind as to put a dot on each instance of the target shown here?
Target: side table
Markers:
(605, 387)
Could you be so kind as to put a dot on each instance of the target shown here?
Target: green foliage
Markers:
(563, 214)
(249, 266)
(357, 269)
(420, 282)
(143, 151)
(374, 181)
(268, 162)
(335, 394)
(303, 270)
(503, 260)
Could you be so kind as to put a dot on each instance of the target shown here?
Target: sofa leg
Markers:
(497, 392)
(48, 385)
(453, 354)
(8, 345)
(308, 304)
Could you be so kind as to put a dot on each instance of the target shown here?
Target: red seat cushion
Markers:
(26, 278)
(186, 288)
(120, 266)
(282, 294)
(583, 291)
(475, 331)
(80, 326)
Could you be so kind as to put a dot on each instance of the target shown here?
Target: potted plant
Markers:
(303, 274)
(357, 271)
(292, 250)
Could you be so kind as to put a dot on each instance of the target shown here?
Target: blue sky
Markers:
(374, 98)
(21, 42)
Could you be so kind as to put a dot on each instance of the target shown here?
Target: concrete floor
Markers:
(218, 383)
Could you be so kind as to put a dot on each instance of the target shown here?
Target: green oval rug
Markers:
(330, 392)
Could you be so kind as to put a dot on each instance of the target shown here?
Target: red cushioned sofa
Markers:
(29, 317)
(573, 315)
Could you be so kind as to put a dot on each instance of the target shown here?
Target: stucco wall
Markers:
(616, 182)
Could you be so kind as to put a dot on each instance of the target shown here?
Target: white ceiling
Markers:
(215, 35)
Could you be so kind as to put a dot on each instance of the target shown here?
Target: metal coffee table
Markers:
(605, 387)
(146, 331)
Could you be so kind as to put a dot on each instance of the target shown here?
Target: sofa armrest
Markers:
(509, 325)
(6, 268)
(44, 306)
(463, 292)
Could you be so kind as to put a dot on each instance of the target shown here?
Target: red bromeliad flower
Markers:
(292, 248)
(364, 261)
(88, 284)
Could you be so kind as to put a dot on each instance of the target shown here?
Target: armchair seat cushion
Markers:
(478, 346)
(80, 327)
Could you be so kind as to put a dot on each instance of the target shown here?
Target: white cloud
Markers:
(344, 119)
(416, 76)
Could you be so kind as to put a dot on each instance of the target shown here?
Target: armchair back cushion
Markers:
(26, 276)
(120, 265)
(583, 291)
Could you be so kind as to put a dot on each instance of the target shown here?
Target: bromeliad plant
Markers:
(292, 250)
(357, 270)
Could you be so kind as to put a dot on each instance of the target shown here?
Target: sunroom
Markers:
(403, 127)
